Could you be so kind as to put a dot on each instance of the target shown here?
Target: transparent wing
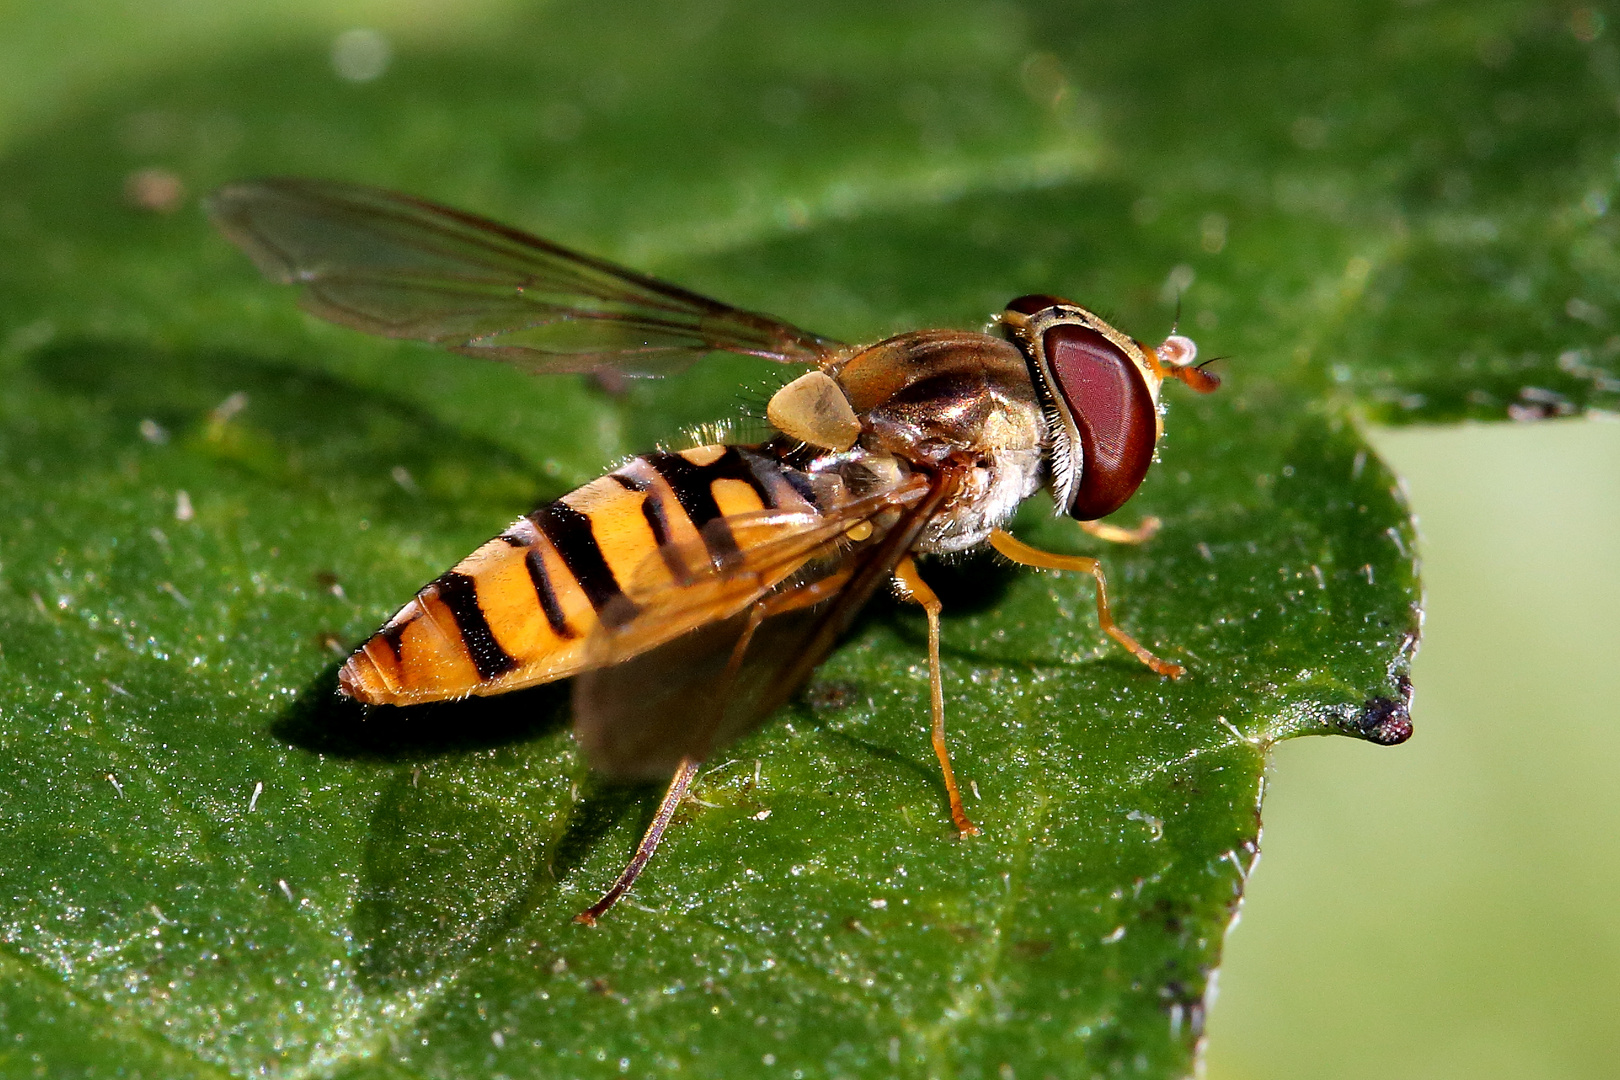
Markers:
(682, 586)
(637, 720)
(401, 267)
(638, 715)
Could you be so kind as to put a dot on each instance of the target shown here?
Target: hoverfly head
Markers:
(1099, 390)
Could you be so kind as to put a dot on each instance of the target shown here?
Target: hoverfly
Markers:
(690, 593)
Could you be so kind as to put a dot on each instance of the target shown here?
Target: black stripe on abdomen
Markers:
(655, 514)
(458, 593)
(734, 464)
(393, 634)
(652, 506)
(693, 487)
(535, 560)
(570, 533)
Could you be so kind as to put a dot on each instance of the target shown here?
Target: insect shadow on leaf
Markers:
(454, 860)
(325, 722)
(459, 853)
(463, 844)
(821, 704)
(895, 760)
(969, 582)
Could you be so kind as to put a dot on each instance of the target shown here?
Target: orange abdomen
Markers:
(520, 610)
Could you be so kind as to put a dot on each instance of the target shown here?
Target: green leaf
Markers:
(213, 867)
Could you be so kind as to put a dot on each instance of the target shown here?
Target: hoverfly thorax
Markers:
(1099, 391)
(955, 401)
(930, 394)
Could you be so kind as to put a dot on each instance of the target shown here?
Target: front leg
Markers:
(1021, 553)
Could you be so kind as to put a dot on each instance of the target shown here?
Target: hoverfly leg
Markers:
(915, 588)
(1117, 534)
(780, 603)
(1021, 553)
(678, 785)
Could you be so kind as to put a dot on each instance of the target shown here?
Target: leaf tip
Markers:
(1387, 721)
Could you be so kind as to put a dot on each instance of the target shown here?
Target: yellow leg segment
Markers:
(916, 589)
(1021, 553)
(1116, 534)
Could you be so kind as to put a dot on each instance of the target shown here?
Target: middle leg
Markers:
(905, 572)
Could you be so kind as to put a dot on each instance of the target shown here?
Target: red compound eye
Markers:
(1112, 409)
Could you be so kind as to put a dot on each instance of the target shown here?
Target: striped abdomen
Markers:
(520, 609)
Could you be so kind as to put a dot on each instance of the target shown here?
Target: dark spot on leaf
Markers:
(1172, 915)
(831, 696)
(1387, 721)
(600, 986)
(1176, 992)
(1032, 950)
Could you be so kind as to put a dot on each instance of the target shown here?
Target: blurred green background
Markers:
(1447, 910)
(1440, 910)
